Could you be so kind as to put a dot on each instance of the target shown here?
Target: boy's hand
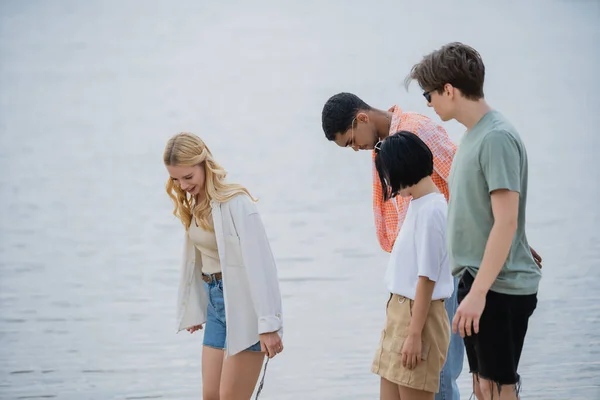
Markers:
(466, 319)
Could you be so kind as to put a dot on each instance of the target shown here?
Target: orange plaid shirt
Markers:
(390, 215)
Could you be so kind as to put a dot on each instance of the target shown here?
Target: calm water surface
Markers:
(89, 252)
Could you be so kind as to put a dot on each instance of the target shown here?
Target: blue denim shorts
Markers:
(215, 332)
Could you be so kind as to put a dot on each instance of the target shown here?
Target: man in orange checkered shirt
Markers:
(350, 122)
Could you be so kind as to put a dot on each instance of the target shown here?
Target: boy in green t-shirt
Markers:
(486, 221)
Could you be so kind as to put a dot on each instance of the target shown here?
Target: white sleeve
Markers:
(262, 271)
(430, 239)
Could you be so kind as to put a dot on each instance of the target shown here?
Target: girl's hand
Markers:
(271, 344)
(411, 351)
(194, 328)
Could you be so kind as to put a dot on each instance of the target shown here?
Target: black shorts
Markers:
(494, 352)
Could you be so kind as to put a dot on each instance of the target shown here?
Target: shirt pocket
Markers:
(234, 251)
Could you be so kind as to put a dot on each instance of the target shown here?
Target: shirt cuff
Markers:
(272, 323)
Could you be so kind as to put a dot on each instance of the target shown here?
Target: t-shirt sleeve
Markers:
(500, 160)
(431, 242)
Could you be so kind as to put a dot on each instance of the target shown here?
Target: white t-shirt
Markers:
(420, 250)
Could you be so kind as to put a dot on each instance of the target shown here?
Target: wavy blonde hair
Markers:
(188, 150)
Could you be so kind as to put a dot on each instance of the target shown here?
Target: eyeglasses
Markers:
(352, 128)
(377, 147)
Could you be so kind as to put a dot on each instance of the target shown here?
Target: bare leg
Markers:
(476, 388)
(212, 363)
(239, 375)
(388, 390)
(491, 391)
(414, 394)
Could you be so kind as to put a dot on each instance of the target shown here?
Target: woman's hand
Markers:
(271, 344)
(194, 328)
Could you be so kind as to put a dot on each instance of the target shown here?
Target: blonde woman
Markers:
(229, 279)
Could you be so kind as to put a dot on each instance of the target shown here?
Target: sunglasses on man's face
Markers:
(427, 95)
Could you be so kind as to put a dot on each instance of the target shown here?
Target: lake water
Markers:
(89, 251)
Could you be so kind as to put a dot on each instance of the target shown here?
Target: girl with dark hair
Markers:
(416, 336)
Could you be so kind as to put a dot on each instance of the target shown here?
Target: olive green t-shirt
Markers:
(491, 156)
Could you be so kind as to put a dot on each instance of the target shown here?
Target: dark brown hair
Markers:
(455, 63)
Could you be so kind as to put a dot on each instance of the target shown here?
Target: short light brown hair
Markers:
(455, 63)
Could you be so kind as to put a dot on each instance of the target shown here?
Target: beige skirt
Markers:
(435, 338)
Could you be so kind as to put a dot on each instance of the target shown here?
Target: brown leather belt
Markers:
(212, 277)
